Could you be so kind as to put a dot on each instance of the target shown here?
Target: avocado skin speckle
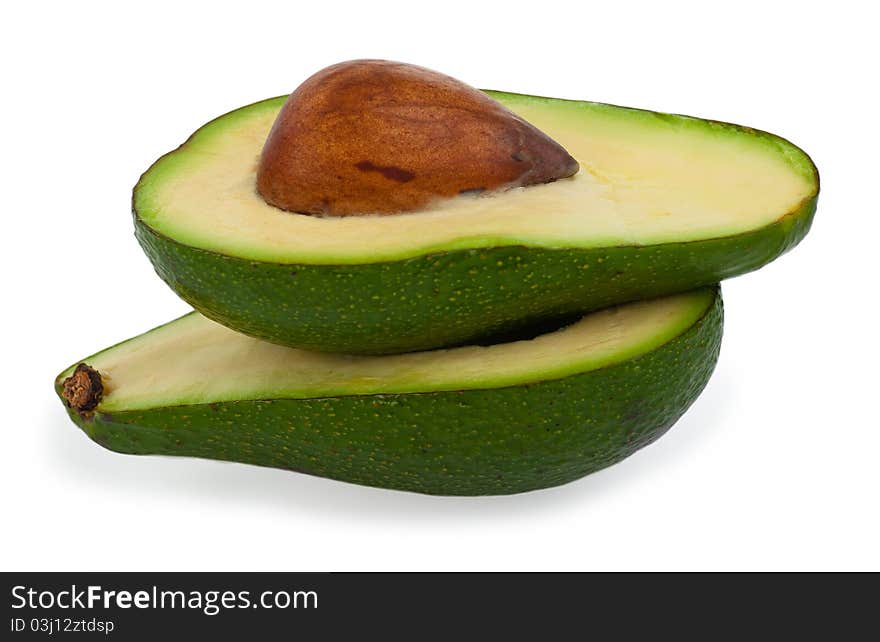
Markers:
(473, 442)
(448, 298)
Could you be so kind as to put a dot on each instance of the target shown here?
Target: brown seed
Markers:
(381, 137)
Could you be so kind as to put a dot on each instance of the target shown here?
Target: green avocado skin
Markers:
(471, 442)
(448, 298)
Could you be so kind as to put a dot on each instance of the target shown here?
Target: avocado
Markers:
(473, 420)
(661, 204)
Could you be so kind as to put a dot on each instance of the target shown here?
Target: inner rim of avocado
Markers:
(645, 178)
(193, 360)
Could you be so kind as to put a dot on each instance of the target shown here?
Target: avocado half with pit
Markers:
(472, 420)
(661, 204)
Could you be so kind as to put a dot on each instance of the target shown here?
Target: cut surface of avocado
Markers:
(488, 419)
(195, 360)
(645, 178)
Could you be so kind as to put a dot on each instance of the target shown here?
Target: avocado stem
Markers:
(83, 389)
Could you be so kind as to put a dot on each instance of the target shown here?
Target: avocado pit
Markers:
(382, 137)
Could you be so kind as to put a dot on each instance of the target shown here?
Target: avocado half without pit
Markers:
(384, 208)
(534, 412)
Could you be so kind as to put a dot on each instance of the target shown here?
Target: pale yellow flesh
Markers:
(194, 360)
(643, 179)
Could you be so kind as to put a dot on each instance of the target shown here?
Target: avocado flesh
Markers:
(471, 420)
(662, 204)
(645, 179)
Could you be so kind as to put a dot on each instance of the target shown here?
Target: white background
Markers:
(776, 466)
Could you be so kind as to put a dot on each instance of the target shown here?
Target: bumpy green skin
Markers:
(448, 298)
(473, 442)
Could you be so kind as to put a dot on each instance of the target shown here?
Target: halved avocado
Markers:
(661, 204)
(472, 420)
